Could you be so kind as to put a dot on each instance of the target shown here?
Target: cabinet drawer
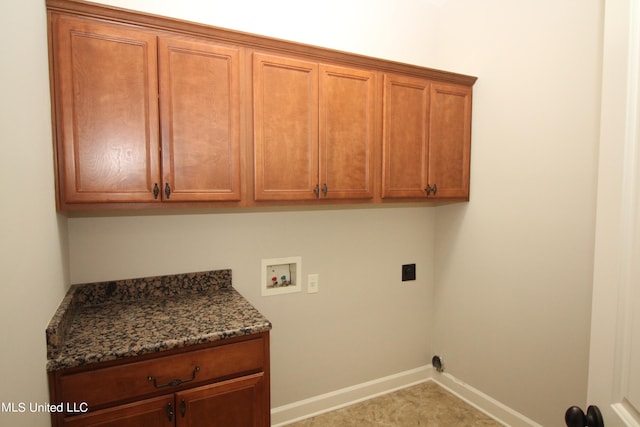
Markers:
(104, 386)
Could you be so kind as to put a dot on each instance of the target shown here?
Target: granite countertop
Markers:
(104, 321)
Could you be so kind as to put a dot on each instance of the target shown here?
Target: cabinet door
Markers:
(236, 402)
(285, 97)
(450, 140)
(200, 118)
(156, 412)
(405, 137)
(347, 104)
(106, 111)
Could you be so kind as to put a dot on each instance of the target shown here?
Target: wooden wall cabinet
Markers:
(313, 130)
(225, 385)
(143, 116)
(426, 139)
(157, 112)
(200, 119)
(107, 111)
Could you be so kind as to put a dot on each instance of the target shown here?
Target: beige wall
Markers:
(32, 237)
(362, 325)
(514, 266)
(504, 281)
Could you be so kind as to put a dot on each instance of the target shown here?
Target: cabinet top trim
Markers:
(156, 22)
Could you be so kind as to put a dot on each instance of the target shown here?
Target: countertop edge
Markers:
(90, 359)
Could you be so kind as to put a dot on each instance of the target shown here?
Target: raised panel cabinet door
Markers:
(285, 97)
(405, 137)
(156, 412)
(200, 119)
(450, 141)
(236, 402)
(106, 96)
(347, 105)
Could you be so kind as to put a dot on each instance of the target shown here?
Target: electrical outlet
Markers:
(312, 283)
(408, 272)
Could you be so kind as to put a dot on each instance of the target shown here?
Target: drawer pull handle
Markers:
(175, 382)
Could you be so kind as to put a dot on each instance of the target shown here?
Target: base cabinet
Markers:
(225, 384)
(230, 403)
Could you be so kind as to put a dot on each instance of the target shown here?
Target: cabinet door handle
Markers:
(169, 411)
(316, 191)
(183, 408)
(431, 189)
(167, 190)
(175, 382)
(324, 189)
(156, 190)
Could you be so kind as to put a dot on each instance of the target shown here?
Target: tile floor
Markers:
(425, 404)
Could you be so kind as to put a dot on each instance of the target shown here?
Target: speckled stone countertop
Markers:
(97, 322)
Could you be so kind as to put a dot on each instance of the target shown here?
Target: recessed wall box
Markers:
(281, 275)
(408, 272)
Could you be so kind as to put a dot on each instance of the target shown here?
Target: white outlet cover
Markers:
(281, 275)
(313, 281)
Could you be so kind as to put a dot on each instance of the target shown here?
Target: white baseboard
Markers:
(331, 401)
(484, 403)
